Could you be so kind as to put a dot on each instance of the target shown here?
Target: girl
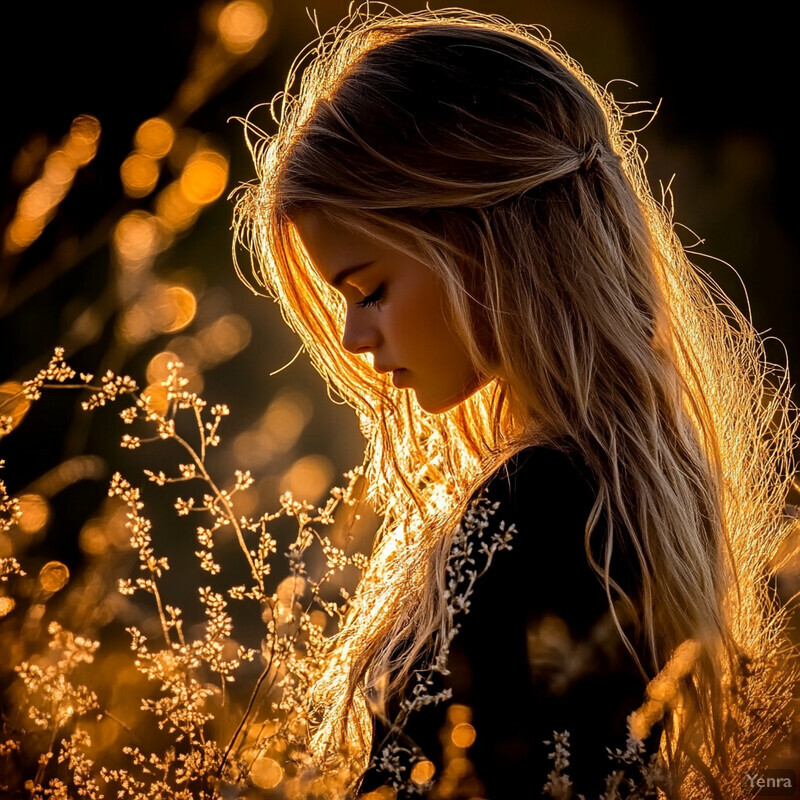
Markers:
(580, 464)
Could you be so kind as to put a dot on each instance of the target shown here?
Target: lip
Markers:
(397, 377)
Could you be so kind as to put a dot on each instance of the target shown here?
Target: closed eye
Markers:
(373, 299)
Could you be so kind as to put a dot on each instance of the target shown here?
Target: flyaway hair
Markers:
(480, 148)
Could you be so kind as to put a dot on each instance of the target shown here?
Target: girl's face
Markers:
(396, 311)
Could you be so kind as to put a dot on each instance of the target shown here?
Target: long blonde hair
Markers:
(481, 148)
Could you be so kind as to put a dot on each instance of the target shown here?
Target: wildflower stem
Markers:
(250, 703)
(45, 758)
(161, 615)
(223, 500)
(202, 435)
(119, 722)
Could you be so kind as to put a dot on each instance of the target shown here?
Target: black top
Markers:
(536, 652)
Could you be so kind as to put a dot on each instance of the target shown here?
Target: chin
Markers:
(439, 406)
(437, 402)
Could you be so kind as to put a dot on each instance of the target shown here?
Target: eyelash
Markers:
(373, 299)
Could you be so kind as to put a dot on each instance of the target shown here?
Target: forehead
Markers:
(333, 246)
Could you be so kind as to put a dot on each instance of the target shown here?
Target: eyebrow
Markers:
(347, 271)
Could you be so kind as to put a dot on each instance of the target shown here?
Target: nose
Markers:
(360, 335)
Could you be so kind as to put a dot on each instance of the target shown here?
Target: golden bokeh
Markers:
(6, 605)
(287, 415)
(22, 232)
(158, 367)
(205, 176)
(13, 404)
(81, 143)
(77, 468)
(86, 128)
(266, 773)
(176, 309)
(93, 539)
(139, 174)
(241, 24)
(35, 512)
(309, 477)
(246, 503)
(188, 351)
(134, 325)
(154, 137)
(459, 767)
(137, 237)
(422, 772)
(187, 141)
(40, 198)
(458, 713)
(382, 793)
(59, 168)
(290, 589)
(224, 338)
(463, 735)
(161, 309)
(158, 398)
(278, 430)
(319, 619)
(37, 203)
(174, 208)
(106, 531)
(53, 576)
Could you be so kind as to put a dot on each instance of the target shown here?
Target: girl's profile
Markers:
(572, 435)
(410, 337)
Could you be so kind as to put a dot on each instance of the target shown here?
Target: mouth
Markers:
(398, 377)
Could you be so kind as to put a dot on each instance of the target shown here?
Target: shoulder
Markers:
(542, 465)
(546, 497)
(540, 487)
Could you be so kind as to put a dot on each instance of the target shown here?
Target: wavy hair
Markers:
(479, 147)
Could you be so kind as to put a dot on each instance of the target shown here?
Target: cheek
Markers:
(431, 342)
(418, 320)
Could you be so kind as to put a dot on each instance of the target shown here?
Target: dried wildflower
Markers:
(183, 507)
(111, 387)
(10, 510)
(53, 699)
(130, 442)
(188, 471)
(8, 747)
(471, 539)
(56, 371)
(559, 785)
(159, 478)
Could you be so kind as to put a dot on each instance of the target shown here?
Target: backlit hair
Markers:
(479, 147)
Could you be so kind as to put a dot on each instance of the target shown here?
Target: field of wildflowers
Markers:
(177, 713)
(187, 732)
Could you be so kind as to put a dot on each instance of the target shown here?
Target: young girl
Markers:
(570, 435)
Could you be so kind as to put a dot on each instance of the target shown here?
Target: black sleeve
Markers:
(538, 651)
